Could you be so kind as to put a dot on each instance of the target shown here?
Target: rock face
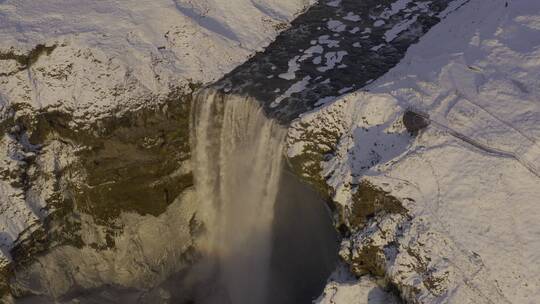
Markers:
(88, 179)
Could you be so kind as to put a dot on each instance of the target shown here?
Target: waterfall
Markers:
(237, 155)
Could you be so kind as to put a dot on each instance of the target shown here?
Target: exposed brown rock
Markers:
(415, 122)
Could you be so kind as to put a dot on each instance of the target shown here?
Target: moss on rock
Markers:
(138, 165)
(370, 200)
(308, 164)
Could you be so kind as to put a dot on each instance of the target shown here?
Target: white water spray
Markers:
(237, 155)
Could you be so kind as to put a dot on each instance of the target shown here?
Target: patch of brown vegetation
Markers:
(369, 201)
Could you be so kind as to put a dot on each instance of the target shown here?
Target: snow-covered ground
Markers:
(470, 181)
(342, 287)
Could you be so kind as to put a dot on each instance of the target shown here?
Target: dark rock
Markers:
(415, 122)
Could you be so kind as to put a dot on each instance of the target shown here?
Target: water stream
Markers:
(237, 156)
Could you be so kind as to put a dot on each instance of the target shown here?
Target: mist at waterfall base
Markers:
(267, 237)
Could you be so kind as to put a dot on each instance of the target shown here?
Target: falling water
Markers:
(237, 154)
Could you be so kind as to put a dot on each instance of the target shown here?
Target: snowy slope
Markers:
(117, 54)
(469, 182)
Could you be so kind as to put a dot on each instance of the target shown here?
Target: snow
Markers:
(336, 26)
(22, 211)
(15, 215)
(379, 23)
(325, 40)
(344, 288)
(398, 28)
(297, 87)
(294, 66)
(345, 90)
(396, 8)
(472, 175)
(482, 74)
(332, 58)
(316, 49)
(145, 245)
(352, 17)
(334, 3)
(377, 47)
